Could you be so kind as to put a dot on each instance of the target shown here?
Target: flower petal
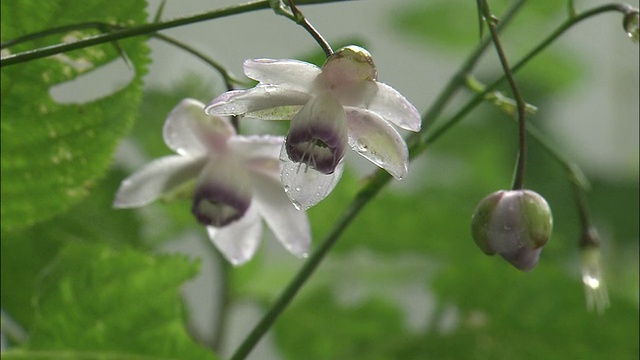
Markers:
(238, 241)
(318, 134)
(305, 186)
(190, 131)
(394, 107)
(155, 179)
(378, 141)
(256, 146)
(383, 100)
(289, 225)
(261, 97)
(291, 74)
(223, 192)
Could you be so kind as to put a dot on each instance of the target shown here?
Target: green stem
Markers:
(145, 29)
(416, 144)
(228, 78)
(365, 195)
(518, 182)
(460, 76)
(301, 20)
(420, 140)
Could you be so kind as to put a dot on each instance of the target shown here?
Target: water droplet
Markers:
(298, 188)
(286, 188)
(296, 204)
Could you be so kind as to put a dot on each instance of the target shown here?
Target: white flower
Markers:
(340, 104)
(237, 183)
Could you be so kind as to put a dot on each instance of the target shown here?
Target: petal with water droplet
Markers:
(378, 141)
(293, 74)
(307, 187)
(261, 97)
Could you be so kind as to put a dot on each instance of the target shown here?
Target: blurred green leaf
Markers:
(506, 314)
(320, 328)
(94, 298)
(52, 153)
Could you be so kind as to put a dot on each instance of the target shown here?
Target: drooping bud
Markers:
(222, 195)
(515, 224)
(318, 135)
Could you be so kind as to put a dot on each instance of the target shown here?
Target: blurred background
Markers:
(405, 281)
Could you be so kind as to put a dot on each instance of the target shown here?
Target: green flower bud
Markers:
(515, 224)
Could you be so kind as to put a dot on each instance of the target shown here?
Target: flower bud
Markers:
(515, 224)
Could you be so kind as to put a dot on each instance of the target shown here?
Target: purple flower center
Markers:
(318, 147)
(218, 206)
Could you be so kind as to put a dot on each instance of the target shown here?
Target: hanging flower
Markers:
(341, 104)
(236, 183)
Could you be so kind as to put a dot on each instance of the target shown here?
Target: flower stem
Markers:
(301, 20)
(365, 195)
(460, 76)
(141, 30)
(518, 182)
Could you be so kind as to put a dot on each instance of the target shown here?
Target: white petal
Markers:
(256, 146)
(394, 107)
(261, 97)
(190, 131)
(288, 224)
(155, 179)
(292, 74)
(305, 186)
(238, 241)
(378, 141)
(384, 101)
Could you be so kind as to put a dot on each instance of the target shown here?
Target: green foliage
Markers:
(52, 153)
(94, 298)
(371, 330)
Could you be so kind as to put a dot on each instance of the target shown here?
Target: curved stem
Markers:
(459, 77)
(145, 29)
(417, 141)
(518, 182)
(301, 20)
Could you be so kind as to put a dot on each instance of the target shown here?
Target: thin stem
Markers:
(417, 141)
(460, 76)
(518, 182)
(228, 78)
(141, 30)
(361, 199)
(301, 20)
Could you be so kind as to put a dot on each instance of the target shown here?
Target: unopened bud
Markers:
(515, 224)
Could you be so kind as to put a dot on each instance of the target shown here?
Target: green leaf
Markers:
(53, 152)
(97, 299)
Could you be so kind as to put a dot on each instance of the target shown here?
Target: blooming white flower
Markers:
(340, 104)
(237, 183)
